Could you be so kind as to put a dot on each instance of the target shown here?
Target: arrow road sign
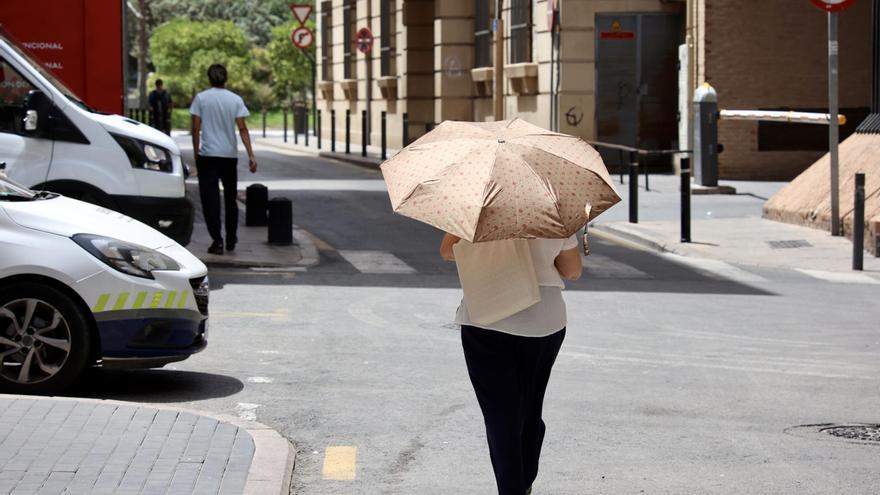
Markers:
(302, 37)
(301, 12)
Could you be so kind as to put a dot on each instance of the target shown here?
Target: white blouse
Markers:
(546, 317)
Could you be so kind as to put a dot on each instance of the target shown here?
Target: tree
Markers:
(253, 16)
(182, 50)
(291, 66)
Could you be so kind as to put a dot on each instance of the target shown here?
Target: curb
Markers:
(271, 469)
(613, 234)
(353, 159)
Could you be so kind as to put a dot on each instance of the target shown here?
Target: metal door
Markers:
(636, 80)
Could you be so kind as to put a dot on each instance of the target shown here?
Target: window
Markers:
(14, 89)
(327, 41)
(387, 24)
(348, 44)
(482, 34)
(521, 31)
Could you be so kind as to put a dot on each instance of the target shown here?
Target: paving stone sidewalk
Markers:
(74, 447)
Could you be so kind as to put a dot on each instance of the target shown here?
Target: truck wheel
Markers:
(44, 341)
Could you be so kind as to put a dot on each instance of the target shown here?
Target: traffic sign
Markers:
(301, 12)
(364, 40)
(302, 37)
(833, 5)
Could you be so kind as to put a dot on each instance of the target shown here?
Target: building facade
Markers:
(618, 71)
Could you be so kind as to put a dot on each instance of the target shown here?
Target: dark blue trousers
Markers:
(510, 374)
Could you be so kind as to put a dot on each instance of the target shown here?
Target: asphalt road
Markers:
(675, 376)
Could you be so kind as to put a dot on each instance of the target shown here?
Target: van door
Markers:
(27, 157)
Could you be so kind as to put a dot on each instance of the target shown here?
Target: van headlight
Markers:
(124, 256)
(145, 155)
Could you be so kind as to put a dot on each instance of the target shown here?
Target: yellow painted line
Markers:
(340, 463)
(172, 295)
(157, 299)
(139, 300)
(102, 303)
(183, 298)
(120, 301)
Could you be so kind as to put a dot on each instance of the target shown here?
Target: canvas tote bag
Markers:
(497, 278)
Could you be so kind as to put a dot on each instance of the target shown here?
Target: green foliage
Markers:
(253, 17)
(291, 66)
(183, 50)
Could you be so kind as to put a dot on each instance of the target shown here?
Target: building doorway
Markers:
(637, 82)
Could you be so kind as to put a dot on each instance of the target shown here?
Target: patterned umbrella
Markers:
(487, 181)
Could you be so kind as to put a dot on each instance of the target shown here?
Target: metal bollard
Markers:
(647, 173)
(306, 124)
(620, 164)
(364, 133)
(405, 129)
(264, 123)
(296, 114)
(256, 199)
(347, 131)
(384, 142)
(706, 135)
(858, 234)
(318, 127)
(633, 187)
(285, 124)
(685, 199)
(333, 131)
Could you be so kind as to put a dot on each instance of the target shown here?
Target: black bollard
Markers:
(633, 187)
(429, 126)
(280, 221)
(285, 124)
(858, 234)
(306, 125)
(685, 199)
(384, 142)
(333, 131)
(256, 199)
(405, 129)
(364, 133)
(347, 131)
(318, 128)
(264, 123)
(620, 164)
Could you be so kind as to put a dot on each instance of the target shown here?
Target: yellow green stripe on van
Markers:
(157, 299)
(172, 295)
(183, 299)
(139, 300)
(121, 299)
(103, 299)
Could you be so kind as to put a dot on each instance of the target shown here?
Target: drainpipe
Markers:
(498, 93)
(369, 57)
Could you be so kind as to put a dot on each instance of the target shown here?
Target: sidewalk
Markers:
(65, 445)
(728, 228)
(275, 140)
(252, 249)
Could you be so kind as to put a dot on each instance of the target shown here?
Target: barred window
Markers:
(387, 26)
(482, 34)
(327, 41)
(521, 31)
(348, 44)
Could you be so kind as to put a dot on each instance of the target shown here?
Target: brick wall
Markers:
(773, 53)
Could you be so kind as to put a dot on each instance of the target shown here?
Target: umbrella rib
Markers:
(573, 163)
(485, 192)
(541, 181)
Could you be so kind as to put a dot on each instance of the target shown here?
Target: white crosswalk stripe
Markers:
(376, 262)
(601, 266)
(840, 277)
(716, 269)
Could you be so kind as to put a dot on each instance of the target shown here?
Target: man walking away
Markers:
(160, 106)
(215, 114)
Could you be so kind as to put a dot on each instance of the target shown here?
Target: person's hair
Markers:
(217, 75)
(158, 83)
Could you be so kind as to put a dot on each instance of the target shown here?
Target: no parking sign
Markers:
(833, 5)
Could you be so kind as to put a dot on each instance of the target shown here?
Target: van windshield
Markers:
(36, 64)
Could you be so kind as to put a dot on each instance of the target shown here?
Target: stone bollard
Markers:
(280, 221)
(256, 197)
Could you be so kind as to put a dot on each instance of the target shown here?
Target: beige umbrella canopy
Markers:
(487, 181)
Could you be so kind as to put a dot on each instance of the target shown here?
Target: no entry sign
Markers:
(833, 5)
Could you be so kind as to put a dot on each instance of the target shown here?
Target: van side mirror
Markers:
(30, 120)
(36, 103)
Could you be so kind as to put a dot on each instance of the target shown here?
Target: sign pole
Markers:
(833, 129)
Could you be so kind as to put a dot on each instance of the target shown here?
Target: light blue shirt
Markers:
(218, 108)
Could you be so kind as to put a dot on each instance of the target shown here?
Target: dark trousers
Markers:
(510, 375)
(212, 169)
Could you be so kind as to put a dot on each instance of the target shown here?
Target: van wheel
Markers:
(44, 339)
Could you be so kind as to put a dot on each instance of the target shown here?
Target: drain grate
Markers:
(789, 244)
(863, 433)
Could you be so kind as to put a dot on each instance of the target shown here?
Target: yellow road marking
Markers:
(172, 295)
(139, 300)
(102, 302)
(183, 298)
(120, 301)
(157, 299)
(340, 463)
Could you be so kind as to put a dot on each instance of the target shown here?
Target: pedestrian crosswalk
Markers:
(603, 267)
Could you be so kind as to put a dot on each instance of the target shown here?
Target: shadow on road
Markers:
(155, 385)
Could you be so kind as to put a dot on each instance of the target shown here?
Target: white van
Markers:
(51, 140)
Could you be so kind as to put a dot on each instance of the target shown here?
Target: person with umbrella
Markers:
(510, 197)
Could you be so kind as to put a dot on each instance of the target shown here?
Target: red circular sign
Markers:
(833, 5)
(364, 40)
(302, 37)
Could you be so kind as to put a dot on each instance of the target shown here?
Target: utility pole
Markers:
(833, 129)
(142, 53)
(498, 94)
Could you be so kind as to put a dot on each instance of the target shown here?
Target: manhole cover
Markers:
(864, 433)
(789, 244)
